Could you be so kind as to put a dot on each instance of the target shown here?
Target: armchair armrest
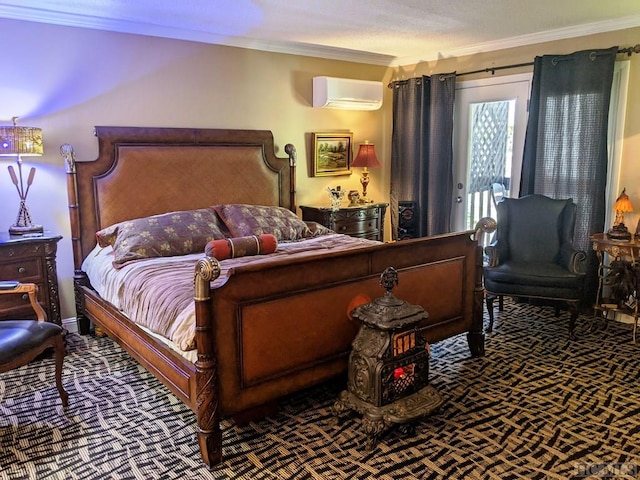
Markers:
(31, 289)
(572, 259)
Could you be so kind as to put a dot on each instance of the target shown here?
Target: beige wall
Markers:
(67, 80)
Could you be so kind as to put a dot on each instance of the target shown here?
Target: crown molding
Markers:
(150, 29)
(524, 40)
(304, 49)
(308, 50)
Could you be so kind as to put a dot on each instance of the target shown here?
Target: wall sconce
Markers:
(366, 158)
(619, 230)
(21, 142)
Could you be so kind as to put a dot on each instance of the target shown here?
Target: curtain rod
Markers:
(629, 51)
(494, 69)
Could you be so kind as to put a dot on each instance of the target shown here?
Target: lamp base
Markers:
(25, 230)
(619, 232)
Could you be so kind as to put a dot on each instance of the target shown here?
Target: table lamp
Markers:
(619, 230)
(21, 142)
(366, 158)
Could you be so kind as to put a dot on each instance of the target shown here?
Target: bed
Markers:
(272, 327)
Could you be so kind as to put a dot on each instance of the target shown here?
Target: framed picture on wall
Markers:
(332, 154)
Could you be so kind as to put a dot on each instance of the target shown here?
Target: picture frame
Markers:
(332, 154)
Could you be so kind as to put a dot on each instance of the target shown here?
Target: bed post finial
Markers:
(291, 151)
(484, 226)
(69, 156)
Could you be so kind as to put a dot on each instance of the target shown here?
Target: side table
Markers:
(617, 250)
(364, 220)
(30, 259)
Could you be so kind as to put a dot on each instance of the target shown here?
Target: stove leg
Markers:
(341, 405)
(407, 429)
(373, 427)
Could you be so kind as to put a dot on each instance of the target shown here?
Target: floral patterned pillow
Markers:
(165, 235)
(245, 220)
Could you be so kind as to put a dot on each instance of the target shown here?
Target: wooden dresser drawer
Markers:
(356, 214)
(21, 269)
(357, 227)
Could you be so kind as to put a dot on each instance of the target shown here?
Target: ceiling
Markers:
(382, 32)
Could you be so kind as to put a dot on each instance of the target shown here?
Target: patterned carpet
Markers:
(537, 406)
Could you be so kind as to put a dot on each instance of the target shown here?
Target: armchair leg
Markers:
(573, 310)
(489, 299)
(501, 303)
(59, 346)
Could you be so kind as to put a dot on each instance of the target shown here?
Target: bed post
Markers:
(475, 336)
(207, 391)
(291, 151)
(79, 278)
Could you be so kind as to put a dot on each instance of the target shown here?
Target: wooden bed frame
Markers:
(267, 332)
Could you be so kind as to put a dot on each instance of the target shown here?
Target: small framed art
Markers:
(332, 154)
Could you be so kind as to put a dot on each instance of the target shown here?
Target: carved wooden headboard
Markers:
(147, 171)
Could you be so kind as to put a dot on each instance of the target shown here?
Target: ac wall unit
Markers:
(345, 93)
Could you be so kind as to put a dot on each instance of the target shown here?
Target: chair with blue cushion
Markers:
(21, 341)
(533, 256)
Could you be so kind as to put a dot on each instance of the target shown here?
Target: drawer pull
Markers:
(22, 270)
(25, 297)
(343, 227)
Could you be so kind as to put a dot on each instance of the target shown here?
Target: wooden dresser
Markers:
(30, 260)
(365, 221)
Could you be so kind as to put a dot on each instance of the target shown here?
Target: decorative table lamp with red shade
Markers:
(366, 158)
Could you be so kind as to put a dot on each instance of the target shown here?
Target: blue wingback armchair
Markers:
(532, 255)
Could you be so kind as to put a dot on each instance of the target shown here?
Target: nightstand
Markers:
(30, 260)
(364, 221)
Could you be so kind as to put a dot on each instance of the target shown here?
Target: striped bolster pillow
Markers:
(241, 246)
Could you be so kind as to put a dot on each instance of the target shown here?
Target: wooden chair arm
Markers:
(31, 289)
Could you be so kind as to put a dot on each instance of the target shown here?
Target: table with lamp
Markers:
(362, 217)
(27, 251)
(618, 275)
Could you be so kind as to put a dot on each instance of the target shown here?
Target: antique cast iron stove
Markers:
(388, 377)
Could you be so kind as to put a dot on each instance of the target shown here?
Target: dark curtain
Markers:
(422, 151)
(565, 150)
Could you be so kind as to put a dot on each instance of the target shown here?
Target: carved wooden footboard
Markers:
(277, 331)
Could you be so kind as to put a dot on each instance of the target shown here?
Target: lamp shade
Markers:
(623, 204)
(18, 140)
(366, 156)
(21, 142)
